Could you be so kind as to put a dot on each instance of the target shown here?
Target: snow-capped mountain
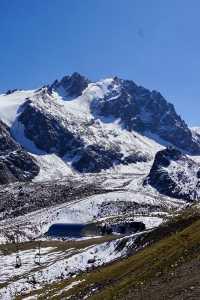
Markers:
(94, 126)
(59, 137)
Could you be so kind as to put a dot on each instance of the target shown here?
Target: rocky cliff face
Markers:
(71, 86)
(146, 112)
(48, 132)
(62, 134)
(175, 174)
(15, 163)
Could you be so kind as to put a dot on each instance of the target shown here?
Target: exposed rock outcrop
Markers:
(15, 163)
(145, 111)
(175, 174)
(72, 86)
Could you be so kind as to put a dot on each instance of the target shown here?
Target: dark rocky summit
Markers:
(9, 92)
(72, 85)
(175, 174)
(15, 163)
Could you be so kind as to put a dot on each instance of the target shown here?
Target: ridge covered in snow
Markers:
(93, 126)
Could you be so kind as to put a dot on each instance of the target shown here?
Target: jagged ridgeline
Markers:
(89, 126)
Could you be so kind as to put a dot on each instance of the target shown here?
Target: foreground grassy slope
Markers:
(171, 258)
(162, 262)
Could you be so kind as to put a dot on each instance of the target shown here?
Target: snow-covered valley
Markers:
(125, 198)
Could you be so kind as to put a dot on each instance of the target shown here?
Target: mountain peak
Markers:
(72, 85)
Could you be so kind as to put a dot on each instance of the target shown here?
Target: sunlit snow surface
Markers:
(55, 265)
(9, 105)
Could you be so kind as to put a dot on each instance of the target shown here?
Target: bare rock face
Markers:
(15, 163)
(48, 132)
(73, 85)
(175, 174)
(95, 158)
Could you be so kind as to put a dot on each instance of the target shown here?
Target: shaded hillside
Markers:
(15, 163)
(175, 174)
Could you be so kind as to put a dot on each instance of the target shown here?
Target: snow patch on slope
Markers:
(9, 105)
(60, 268)
(51, 167)
(17, 131)
(80, 106)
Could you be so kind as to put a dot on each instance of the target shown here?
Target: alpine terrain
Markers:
(99, 193)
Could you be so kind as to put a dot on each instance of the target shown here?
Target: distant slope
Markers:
(175, 174)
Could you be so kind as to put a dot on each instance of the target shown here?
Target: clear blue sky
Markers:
(154, 42)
